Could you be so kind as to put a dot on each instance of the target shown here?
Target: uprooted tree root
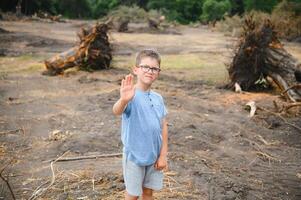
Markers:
(259, 55)
(93, 52)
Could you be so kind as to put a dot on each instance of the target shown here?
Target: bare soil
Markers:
(216, 151)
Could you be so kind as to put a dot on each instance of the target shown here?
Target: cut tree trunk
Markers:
(259, 55)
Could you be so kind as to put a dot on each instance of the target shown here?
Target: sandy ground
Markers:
(216, 152)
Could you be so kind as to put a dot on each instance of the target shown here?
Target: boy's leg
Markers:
(153, 178)
(147, 194)
(133, 179)
(130, 197)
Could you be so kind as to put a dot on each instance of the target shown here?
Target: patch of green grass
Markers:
(125, 62)
(182, 61)
(26, 57)
(207, 67)
(24, 63)
(33, 67)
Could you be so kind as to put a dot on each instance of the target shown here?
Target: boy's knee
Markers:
(147, 192)
(130, 197)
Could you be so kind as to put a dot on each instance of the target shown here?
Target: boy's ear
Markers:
(134, 69)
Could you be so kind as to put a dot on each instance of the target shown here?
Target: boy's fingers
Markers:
(122, 83)
(128, 80)
(156, 165)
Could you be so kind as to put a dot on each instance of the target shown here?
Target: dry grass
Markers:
(83, 184)
(231, 25)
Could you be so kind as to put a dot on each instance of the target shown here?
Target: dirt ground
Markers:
(216, 151)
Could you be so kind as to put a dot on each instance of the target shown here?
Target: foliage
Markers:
(260, 5)
(183, 11)
(232, 25)
(287, 19)
(237, 7)
(215, 10)
(74, 8)
(133, 14)
(100, 8)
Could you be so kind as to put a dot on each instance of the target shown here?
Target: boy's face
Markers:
(147, 71)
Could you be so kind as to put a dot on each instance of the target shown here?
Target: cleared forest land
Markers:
(215, 150)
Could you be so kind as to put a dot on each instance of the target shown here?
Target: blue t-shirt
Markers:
(141, 129)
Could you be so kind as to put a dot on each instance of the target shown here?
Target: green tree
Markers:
(262, 5)
(183, 11)
(101, 8)
(237, 7)
(73, 8)
(29, 7)
(215, 10)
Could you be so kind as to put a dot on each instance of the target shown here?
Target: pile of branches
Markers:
(93, 52)
(44, 15)
(259, 55)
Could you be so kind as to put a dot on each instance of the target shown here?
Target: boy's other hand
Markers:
(161, 163)
(127, 90)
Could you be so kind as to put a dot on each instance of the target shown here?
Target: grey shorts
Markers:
(136, 177)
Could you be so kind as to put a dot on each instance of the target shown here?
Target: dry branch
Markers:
(40, 190)
(282, 118)
(87, 157)
(12, 131)
(291, 105)
(6, 181)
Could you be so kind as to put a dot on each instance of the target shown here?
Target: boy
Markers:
(144, 128)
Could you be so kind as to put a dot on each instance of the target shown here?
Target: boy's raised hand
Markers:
(127, 89)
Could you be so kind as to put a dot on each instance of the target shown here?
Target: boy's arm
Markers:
(164, 148)
(127, 92)
(119, 107)
(162, 160)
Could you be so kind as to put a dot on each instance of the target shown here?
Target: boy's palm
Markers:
(127, 90)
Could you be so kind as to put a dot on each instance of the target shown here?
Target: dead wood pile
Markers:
(45, 15)
(260, 55)
(92, 53)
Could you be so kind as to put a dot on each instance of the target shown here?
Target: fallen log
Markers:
(92, 53)
(260, 54)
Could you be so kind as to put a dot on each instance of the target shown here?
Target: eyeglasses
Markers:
(146, 68)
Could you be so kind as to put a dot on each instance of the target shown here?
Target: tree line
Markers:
(182, 11)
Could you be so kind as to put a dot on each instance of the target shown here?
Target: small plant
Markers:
(230, 24)
(287, 19)
(133, 14)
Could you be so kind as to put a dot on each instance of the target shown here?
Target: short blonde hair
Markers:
(148, 53)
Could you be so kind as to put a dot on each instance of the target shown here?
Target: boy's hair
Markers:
(148, 53)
